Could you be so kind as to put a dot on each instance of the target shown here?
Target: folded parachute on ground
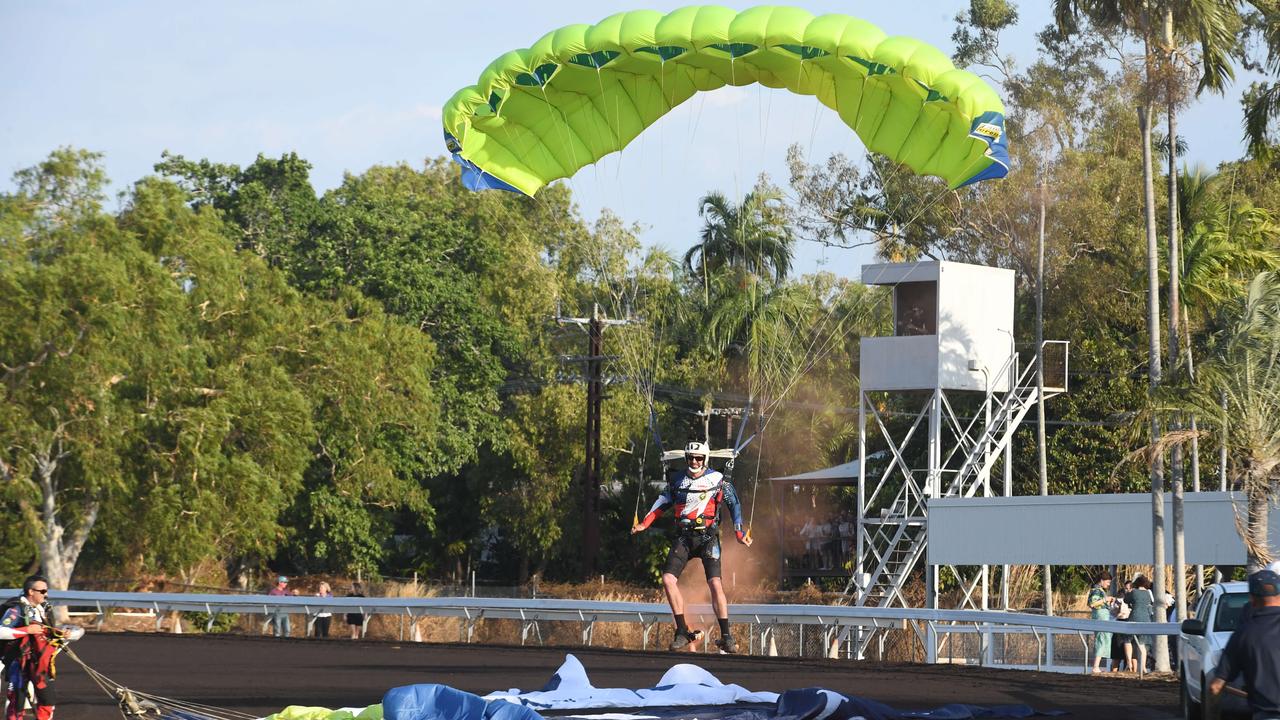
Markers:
(301, 712)
(585, 91)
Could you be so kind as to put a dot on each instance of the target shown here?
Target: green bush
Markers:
(222, 622)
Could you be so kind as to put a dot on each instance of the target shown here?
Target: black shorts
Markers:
(702, 545)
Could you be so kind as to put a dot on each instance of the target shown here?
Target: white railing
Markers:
(969, 636)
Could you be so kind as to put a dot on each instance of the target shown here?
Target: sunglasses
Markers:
(42, 591)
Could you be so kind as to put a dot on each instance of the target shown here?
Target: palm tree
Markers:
(1262, 100)
(1211, 22)
(1214, 23)
(1225, 245)
(1136, 17)
(753, 237)
(1243, 368)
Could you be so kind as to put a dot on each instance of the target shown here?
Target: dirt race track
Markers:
(262, 675)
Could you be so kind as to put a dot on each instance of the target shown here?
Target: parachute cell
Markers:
(584, 91)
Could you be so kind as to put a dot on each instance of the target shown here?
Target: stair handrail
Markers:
(998, 418)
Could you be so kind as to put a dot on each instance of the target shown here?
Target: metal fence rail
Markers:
(993, 638)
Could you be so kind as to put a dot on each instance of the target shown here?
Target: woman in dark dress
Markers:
(1121, 643)
(354, 619)
(1143, 603)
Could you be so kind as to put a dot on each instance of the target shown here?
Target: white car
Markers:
(1201, 642)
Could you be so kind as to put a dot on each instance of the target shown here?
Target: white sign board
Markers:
(1084, 530)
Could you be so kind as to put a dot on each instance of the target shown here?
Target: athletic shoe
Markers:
(684, 639)
(727, 645)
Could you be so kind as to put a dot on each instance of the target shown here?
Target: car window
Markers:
(1230, 610)
(1206, 605)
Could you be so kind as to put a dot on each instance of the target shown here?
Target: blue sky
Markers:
(350, 85)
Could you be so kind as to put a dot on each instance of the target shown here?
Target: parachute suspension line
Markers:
(817, 113)
(562, 125)
(138, 704)
(644, 459)
(693, 133)
(811, 357)
(755, 482)
(615, 129)
(662, 92)
(941, 193)
(768, 112)
(647, 391)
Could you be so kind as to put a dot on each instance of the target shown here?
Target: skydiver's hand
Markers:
(743, 538)
(36, 629)
(638, 528)
(1216, 686)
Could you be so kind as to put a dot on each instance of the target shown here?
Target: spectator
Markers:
(324, 617)
(1120, 612)
(1144, 610)
(355, 620)
(280, 616)
(846, 537)
(1100, 603)
(1254, 649)
(812, 542)
(826, 540)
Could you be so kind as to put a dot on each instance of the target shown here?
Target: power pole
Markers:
(595, 358)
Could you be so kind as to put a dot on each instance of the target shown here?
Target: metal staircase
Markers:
(901, 532)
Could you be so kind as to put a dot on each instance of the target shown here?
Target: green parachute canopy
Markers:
(584, 91)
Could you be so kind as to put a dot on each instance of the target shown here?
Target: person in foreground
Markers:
(697, 494)
(27, 657)
(1254, 649)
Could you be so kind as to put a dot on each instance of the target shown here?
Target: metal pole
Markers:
(1008, 484)
(986, 491)
(1195, 486)
(934, 485)
(862, 491)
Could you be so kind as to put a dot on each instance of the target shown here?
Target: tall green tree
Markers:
(1261, 101)
(752, 236)
(84, 325)
(1243, 367)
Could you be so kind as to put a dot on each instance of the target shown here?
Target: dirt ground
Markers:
(263, 674)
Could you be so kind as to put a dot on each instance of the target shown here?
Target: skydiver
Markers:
(23, 630)
(697, 494)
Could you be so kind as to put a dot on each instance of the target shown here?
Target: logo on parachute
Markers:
(990, 130)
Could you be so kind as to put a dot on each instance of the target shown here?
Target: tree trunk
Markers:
(1195, 438)
(1046, 571)
(1175, 314)
(1259, 506)
(58, 552)
(1153, 373)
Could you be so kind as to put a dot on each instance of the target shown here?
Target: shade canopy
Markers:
(842, 474)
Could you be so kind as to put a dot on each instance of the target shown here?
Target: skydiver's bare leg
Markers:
(671, 585)
(719, 602)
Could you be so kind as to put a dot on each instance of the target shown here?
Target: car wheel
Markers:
(1191, 710)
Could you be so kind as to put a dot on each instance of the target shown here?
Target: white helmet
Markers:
(697, 448)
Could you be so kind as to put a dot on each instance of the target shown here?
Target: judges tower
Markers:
(952, 352)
